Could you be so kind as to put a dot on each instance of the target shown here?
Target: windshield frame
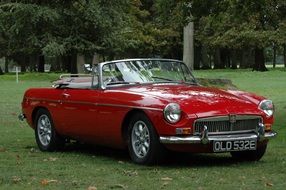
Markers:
(97, 71)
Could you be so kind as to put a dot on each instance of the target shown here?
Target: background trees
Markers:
(228, 33)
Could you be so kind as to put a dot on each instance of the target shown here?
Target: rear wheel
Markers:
(143, 142)
(46, 136)
(250, 155)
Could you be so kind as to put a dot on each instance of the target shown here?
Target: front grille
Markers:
(223, 124)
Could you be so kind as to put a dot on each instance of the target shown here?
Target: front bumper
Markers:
(207, 139)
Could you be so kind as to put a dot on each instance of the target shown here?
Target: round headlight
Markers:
(267, 107)
(172, 113)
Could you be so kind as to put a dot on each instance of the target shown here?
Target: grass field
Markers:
(23, 166)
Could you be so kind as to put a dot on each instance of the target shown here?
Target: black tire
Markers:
(50, 140)
(250, 155)
(154, 152)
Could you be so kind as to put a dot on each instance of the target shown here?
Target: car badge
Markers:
(232, 118)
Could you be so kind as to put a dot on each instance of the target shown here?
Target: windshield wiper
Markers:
(122, 82)
(156, 77)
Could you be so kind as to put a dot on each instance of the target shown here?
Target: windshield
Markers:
(146, 71)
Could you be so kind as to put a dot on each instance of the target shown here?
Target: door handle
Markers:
(65, 95)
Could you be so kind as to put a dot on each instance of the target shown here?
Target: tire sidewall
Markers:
(52, 145)
(154, 143)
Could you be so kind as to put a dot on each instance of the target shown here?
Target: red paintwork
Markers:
(96, 116)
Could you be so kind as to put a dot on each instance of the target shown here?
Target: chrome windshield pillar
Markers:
(100, 77)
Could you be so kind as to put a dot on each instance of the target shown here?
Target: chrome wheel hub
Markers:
(44, 130)
(140, 139)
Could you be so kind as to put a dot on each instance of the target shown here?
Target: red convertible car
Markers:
(149, 106)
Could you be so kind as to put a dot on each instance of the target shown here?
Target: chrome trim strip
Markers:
(141, 59)
(43, 99)
(229, 132)
(96, 104)
(198, 140)
(136, 107)
(226, 118)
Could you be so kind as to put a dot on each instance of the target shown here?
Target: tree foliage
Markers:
(139, 28)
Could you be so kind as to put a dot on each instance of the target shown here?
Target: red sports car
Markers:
(149, 106)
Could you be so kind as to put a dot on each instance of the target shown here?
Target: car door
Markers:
(79, 113)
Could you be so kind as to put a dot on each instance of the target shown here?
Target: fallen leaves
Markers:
(130, 173)
(45, 182)
(16, 179)
(14, 114)
(91, 188)
(33, 150)
(18, 159)
(166, 179)
(268, 184)
(2, 149)
(117, 186)
(50, 159)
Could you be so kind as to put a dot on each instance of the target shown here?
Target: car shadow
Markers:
(172, 159)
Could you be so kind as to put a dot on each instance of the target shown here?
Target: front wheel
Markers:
(250, 155)
(143, 142)
(46, 136)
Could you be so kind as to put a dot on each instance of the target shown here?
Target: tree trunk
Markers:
(6, 65)
(234, 59)
(217, 60)
(1, 72)
(23, 63)
(197, 58)
(246, 60)
(274, 55)
(56, 65)
(80, 63)
(188, 56)
(259, 62)
(66, 60)
(34, 62)
(41, 64)
(95, 59)
(284, 55)
(73, 66)
(206, 64)
(224, 54)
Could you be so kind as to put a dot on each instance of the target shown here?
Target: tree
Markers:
(60, 28)
(21, 29)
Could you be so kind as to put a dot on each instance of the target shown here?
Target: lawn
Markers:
(23, 166)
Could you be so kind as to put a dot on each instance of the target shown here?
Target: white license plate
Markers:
(238, 145)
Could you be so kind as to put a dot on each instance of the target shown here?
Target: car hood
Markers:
(202, 101)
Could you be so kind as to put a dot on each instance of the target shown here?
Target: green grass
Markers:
(23, 166)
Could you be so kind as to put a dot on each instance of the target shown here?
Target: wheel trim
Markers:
(44, 128)
(140, 139)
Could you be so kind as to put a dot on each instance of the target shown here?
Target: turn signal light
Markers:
(268, 127)
(183, 131)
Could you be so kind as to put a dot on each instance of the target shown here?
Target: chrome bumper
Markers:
(21, 117)
(207, 139)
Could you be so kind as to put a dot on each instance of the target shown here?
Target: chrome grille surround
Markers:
(228, 124)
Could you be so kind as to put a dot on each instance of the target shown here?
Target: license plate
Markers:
(237, 145)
